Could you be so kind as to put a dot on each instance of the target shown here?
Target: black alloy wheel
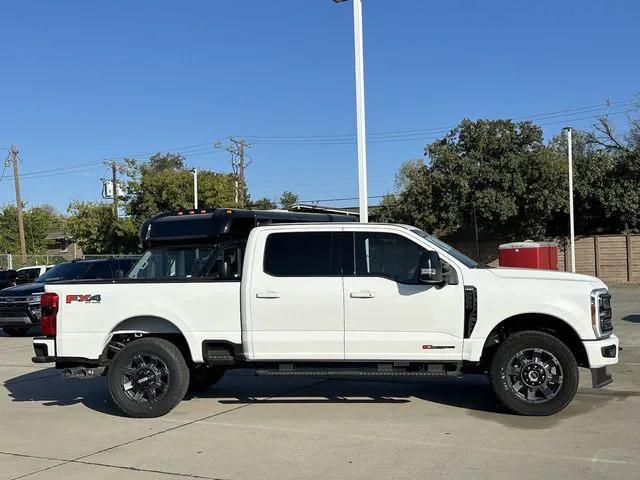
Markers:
(148, 377)
(534, 373)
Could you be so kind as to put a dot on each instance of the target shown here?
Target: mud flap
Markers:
(601, 377)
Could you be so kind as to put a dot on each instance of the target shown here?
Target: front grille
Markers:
(605, 313)
(16, 309)
(6, 301)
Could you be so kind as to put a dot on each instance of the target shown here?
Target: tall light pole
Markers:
(571, 217)
(360, 115)
(195, 188)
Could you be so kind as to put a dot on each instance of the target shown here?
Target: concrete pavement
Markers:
(250, 427)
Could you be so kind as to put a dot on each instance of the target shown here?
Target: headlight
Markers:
(601, 315)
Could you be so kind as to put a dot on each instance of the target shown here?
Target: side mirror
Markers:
(119, 273)
(430, 269)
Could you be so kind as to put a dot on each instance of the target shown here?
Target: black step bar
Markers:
(431, 371)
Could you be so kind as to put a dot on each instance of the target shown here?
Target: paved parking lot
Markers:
(270, 428)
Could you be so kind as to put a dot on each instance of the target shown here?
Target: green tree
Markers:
(164, 183)
(288, 199)
(39, 222)
(606, 170)
(97, 231)
(621, 187)
(263, 204)
(591, 166)
(498, 169)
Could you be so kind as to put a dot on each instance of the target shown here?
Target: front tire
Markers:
(148, 378)
(534, 373)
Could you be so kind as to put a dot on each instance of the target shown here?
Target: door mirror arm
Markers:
(449, 274)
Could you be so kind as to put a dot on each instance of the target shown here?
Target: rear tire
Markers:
(534, 373)
(202, 377)
(148, 378)
(16, 331)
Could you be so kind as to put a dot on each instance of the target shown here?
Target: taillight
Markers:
(49, 305)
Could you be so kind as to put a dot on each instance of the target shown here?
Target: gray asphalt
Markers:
(274, 428)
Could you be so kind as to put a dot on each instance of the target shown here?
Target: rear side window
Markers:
(302, 254)
(125, 265)
(99, 270)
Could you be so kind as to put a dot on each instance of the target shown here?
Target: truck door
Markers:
(389, 314)
(295, 297)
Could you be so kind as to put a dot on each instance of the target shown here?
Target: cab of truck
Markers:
(208, 243)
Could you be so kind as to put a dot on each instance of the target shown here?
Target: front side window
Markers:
(461, 257)
(387, 255)
(228, 264)
(167, 262)
(301, 254)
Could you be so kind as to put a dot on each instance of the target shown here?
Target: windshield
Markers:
(64, 271)
(28, 274)
(172, 262)
(461, 257)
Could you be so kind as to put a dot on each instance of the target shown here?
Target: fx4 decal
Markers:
(83, 298)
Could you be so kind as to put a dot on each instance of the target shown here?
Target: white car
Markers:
(29, 274)
(319, 299)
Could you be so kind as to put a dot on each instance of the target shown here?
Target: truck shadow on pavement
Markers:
(49, 388)
(471, 394)
(635, 318)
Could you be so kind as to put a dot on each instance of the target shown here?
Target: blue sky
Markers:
(83, 81)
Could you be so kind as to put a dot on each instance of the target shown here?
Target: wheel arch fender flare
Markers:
(544, 322)
(152, 325)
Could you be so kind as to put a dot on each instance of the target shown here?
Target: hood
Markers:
(22, 290)
(545, 275)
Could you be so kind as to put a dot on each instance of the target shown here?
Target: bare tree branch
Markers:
(608, 138)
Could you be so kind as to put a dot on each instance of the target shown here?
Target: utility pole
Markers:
(571, 216)
(114, 181)
(195, 188)
(238, 164)
(13, 155)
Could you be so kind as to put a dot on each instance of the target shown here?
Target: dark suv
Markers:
(20, 305)
(8, 278)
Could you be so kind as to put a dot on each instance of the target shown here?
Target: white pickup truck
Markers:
(220, 289)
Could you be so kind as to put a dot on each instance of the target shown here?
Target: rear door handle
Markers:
(269, 294)
(363, 294)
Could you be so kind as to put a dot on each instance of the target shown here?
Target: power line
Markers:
(199, 149)
(84, 167)
(598, 108)
(420, 137)
(236, 148)
(339, 199)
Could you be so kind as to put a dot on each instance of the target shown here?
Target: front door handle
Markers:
(269, 294)
(363, 294)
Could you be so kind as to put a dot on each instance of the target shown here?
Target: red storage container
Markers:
(542, 255)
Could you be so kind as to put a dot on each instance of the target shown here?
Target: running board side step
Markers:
(432, 371)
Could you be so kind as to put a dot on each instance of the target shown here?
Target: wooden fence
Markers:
(612, 258)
